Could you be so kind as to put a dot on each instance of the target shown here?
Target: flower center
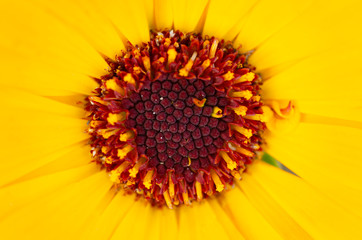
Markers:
(176, 119)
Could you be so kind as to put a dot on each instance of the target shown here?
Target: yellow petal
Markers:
(317, 214)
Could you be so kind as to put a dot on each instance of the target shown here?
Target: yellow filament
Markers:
(167, 198)
(133, 171)
(129, 79)
(186, 199)
(124, 151)
(112, 84)
(240, 110)
(219, 185)
(198, 190)
(213, 48)
(228, 76)
(98, 100)
(245, 94)
(206, 64)
(256, 117)
(115, 174)
(146, 63)
(231, 164)
(243, 151)
(109, 160)
(171, 186)
(246, 132)
(248, 77)
(216, 112)
(148, 178)
(256, 98)
(184, 72)
(199, 103)
(116, 117)
(123, 137)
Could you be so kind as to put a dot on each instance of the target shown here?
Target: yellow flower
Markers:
(308, 54)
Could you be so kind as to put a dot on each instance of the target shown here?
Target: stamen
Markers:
(230, 163)
(199, 103)
(167, 199)
(184, 72)
(213, 48)
(198, 190)
(216, 112)
(124, 137)
(124, 151)
(148, 178)
(228, 76)
(133, 171)
(246, 132)
(112, 84)
(240, 110)
(219, 185)
(171, 55)
(248, 77)
(129, 79)
(241, 94)
(116, 117)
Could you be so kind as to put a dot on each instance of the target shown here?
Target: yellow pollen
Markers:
(167, 42)
(246, 132)
(112, 84)
(240, 65)
(248, 77)
(206, 64)
(109, 160)
(167, 198)
(106, 133)
(133, 171)
(256, 98)
(216, 112)
(116, 117)
(148, 178)
(219, 185)
(240, 110)
(228, 76)
(213, 48)
(199, 103)
(129, 79)
(186, 199)
(231, 164)
(171, 186)
(105, 149)
(245, 94)
(124, 137)
(184, 72)
(171, 53)
(146, 63)
(124, 151)
(130, 182)
(136, 53)
(198, 190)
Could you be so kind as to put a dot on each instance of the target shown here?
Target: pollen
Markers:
(177, 119)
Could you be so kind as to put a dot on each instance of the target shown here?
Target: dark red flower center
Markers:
(173, 132)
(176, 119)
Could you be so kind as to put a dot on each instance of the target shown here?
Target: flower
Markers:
(306, 53)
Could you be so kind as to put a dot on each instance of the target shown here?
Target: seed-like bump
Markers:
(140, 119)
(165, 102)
(161, 147)
(153, 162)
(177, 114)
(156, 125)
(195, 120)
(127, 104)
(157, 109)
(191, 127)
(176, 88)
(167, 135)
(191, 90)
(169, 163)
(160, 138)
(172, 96)
(205, 131)
(182, 151)
(188, 112)
(156, 87)
(207, 140)
(212, 101)
(171, 119)
(179, 104)
(155, 98)
(189, 175)
(162, 157)
(151, 133)
(214, 133)
(163, 93)
(213, 122)
(182, 95)
(135, 97)
(199, 143)
(196, 134)
(161, 116)
(169, 110)
(199, 85)
(167, 85)
(207, 111)
(203, 152)
(200, 94)
(176, 137)
(203, 121)
(197, 110)
(222, 102)
(190, 146)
